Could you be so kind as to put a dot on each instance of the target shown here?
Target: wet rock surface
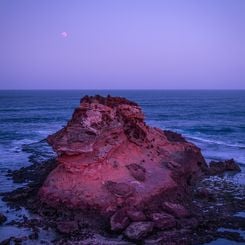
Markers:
(163, 221)
(67, 227)
(119, 220)
(176, 210)
(223, 166)
(215, 208)
(138, 230)
(35, 175)
(3, 218)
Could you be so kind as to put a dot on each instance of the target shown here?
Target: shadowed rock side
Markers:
(111, 162)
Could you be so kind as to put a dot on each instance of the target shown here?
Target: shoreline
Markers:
(215, 200)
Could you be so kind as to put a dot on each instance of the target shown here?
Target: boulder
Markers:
(138, 230)
(136, 215)
(163, 221)
(67, 227)
(119, 220)
(204, 193)
(176, 209)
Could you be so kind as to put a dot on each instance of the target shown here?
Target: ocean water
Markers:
(214, 120)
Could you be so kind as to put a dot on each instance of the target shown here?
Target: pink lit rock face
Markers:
(110, 161)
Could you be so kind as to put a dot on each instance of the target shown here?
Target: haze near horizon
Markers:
(122, 44)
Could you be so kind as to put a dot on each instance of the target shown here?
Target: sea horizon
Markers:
(123, 89)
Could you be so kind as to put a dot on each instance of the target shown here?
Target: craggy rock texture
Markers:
(110, 161)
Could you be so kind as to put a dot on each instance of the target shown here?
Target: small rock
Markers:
(18, 240)
(67, 227)
(222, 166)
(119, 221)
(138, 230)
(189, 223)
(2, 218)
(176, 209)
(135, 215)
(6, 241)
(163, 221)
(204, 193)
(33, 236)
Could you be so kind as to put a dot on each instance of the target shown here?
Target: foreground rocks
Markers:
(215, 200)
(35, 175)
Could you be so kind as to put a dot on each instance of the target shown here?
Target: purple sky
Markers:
(122, 44)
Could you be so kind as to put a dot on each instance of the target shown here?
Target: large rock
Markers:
(108, 158)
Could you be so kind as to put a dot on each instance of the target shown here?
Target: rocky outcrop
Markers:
(220, 167)
(111, 162)
(2, 218)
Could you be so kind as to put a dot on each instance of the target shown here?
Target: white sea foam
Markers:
(217, 142)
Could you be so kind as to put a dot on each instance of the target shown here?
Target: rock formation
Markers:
(111, 162)
(223, 166)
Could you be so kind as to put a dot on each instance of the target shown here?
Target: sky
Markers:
(122, 44)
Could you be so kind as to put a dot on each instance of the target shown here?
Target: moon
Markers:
(64, 34)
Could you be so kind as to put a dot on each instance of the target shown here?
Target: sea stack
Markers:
(110, 162)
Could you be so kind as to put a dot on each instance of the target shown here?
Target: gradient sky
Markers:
(122, 44)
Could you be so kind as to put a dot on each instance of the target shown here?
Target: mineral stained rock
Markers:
(110, 161)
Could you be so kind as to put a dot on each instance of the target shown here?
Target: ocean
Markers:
(212, 119)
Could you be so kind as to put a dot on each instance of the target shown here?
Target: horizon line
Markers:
(123, 89)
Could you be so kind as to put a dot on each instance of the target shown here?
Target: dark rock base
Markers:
(215, 200)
